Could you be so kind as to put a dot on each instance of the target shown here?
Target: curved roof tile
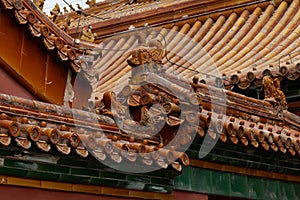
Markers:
(250, 40)
(232, 45)
(29, 122)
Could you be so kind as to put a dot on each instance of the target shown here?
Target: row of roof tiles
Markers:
(122, 9)
(239, 48)
(222, 114)
(228, 47)
(258, 123)
(31, 123)
(244, 120)
(119, 16)
(40, 26)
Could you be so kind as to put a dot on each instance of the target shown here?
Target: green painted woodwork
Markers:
(235, 185)
(248, 157)
(73, 169)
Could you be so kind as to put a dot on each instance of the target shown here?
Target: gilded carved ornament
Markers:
(273, 92)
(65, 10)
(54, 12)
(65, 24)
(39, 3)
(88, 35)
(91, 3)
(150, 52)
(146, 58)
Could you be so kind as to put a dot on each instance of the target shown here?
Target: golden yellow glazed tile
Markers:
(141, 194)
(23, 182)
(87, 188)
(163, 196)
(56, 185)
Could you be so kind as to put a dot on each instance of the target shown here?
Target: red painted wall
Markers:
(181, 195)
(30, 63)
(9, 85)
(23, 193)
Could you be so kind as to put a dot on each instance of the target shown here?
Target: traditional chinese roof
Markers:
(239, 45)
(222, 114)
(258, 123)
(241, 42)
(211, 35)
